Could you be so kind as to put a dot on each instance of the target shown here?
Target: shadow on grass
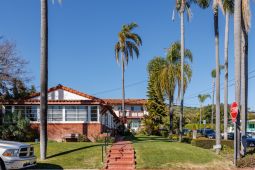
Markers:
(46, 166)
(73, 150)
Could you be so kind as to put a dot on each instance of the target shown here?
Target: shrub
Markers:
(174, 137)
(246, 162)
(17, 127)
(186, 139)
(208, 143)
(164, 133)
(82, 138)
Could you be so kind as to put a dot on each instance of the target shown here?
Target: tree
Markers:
(237, 53)
(171, 76)
(44, 79)
(12, 68)
(155, 105)
(213, 75)
(245, 27)
(228, 7)
(181, 6)
(127, 45)
(202, 98)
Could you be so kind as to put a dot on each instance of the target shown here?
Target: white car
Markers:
(15, 155)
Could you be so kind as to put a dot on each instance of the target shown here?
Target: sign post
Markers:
(234, 113)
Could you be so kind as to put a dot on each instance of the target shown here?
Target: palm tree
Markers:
(228, 7)
(245, 25)
(213, 75)
(181, 6)
(171, 75)
(127, 45)
(237, 52)
(202, 98)
(44, 79)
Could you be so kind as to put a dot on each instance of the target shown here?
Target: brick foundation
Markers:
(56, 131)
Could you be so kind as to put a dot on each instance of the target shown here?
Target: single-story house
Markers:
(69, 112)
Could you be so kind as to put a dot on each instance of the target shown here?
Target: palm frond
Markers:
(228, 6)
(246, 14)
(117, 50)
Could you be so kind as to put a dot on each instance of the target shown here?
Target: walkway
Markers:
(121, 156)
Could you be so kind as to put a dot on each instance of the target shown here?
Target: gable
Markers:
(60, 94)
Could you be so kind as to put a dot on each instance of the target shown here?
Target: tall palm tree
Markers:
(202, 98)
(213, 75)
(181, 6)
(127, 46)
(171, 74)
(216, 5)
(228, 7)
(44, 79)
(245, 26)
(237, 52)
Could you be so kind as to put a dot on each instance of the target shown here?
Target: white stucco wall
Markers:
(63, 95)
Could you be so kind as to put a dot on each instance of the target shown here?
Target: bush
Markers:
(82, 138)
(17, 127)
(246, 162)
(208, 143)
(174, 137)
(164, 133)
(186, 139)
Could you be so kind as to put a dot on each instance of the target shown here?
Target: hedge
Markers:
(246, 162)
(209, 143)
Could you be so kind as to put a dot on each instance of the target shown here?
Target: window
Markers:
(76, 113)
(137, 108)
(8, 109)
(55, 113)
(135, 124)
(19, 109)
(93, 113)
(82, 113)
(251, 126)
(119, 107)
(31, 113)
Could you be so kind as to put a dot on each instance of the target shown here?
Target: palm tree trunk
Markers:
(216, 29)
(200, 119)
(182, 68)
(123, 89)
(44, 79)
(226, 77)
(213, 92)
(237, 46)
(170, 116)
(244, 86)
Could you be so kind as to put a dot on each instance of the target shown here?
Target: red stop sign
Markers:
(234, 111)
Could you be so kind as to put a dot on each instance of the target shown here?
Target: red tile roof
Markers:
(127, 101)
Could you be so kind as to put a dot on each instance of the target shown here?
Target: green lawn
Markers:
(70, 155)
(155, 152)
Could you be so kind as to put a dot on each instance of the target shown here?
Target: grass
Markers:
(153, 152)
(70, 155)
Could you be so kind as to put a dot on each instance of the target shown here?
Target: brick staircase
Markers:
(121, 156)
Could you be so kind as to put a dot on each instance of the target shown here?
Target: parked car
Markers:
(208, 133)
(186, 131)
(230, 136)
(250, 141)
(15, 155)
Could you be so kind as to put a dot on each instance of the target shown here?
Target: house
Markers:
(69, 112)
(135, 110)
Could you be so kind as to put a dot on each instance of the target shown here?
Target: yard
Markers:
(153, 152)
(70, 155)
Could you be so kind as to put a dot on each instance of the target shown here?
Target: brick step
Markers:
(120, 167)
(121, 158)
(110, 168)
(123, 152)
(114, 155)
(124, 147)
(118, 161)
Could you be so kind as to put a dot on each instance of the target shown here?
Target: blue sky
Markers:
(82, 35)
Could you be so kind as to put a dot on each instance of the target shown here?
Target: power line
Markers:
(119, 88)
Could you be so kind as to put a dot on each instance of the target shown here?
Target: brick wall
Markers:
(56, 131)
